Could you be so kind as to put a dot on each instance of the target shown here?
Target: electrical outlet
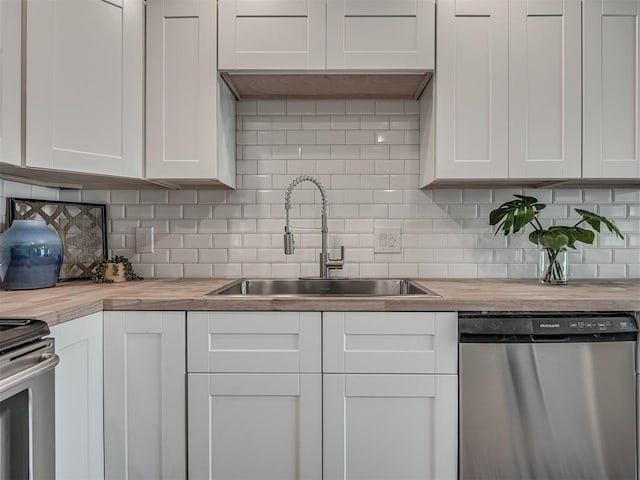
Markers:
(144, 239)
(387, 240)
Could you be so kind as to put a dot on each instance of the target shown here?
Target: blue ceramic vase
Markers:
(30, 256)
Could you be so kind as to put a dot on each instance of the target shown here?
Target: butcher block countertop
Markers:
(71, 300)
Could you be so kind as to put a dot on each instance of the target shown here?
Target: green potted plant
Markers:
(114, 270)
(514, 215)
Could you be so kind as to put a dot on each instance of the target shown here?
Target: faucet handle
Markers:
(336, 263)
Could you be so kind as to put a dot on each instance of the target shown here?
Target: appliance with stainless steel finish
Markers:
(325, 287)
(27, 409)
(547, 396)
(326, 262)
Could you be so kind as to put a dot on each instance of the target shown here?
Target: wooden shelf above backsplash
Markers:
(250, 86)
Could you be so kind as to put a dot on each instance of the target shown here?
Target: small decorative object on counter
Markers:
(115, 270)
(30, 255)
(513, 216)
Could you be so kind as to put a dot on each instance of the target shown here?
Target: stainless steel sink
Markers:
(325, 287)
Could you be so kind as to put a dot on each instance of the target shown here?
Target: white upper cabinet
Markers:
(545, 86)
(190, 111)
(272, 35)
(380, 34)
(10, 81)
(611, 99)
(84, 86)
(508, 92)
(472, 90)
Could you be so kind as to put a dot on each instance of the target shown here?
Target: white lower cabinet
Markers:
(261, 407)
(390, 427)
(79, 414)
(144, 395)
(255, 426)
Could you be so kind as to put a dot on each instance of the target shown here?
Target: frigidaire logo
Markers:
(549, 325)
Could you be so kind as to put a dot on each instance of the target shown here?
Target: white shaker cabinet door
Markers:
(144, 395)
(381, 34)
(84, 86)
(472, 90)
(401, 427)
(79, 414)
(255, 426)
(11, 81)
(271, 34)
(545, 86)
(390, 342)
(611, 100)
(190, 110)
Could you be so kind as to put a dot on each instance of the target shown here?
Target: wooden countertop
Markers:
(74, 299)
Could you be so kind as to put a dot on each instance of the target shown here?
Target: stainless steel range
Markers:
(27, 409)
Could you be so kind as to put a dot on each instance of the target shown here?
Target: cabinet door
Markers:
(390, 342)
(79, 414)
(190, 111)
(272, 34)
(611, 100)
(379, 34)
(545, 89)
(255, 426)
(472, 90)
(260, 342)
(11, 81)
(144, 395)
(390, 426)
(84, 67)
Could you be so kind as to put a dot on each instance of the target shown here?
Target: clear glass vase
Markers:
(552, 268)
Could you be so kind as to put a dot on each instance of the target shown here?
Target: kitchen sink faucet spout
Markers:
(326, 263)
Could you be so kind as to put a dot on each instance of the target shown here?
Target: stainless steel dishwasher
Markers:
(548, 396)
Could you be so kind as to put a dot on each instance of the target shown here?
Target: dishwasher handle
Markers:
(48, 362)
(549, 338)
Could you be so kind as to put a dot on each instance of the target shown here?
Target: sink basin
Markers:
(325, 287)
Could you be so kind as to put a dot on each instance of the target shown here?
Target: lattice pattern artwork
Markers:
(81, 226)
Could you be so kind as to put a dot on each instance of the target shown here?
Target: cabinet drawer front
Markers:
(385, 342)
(255, 426)
(246, 342)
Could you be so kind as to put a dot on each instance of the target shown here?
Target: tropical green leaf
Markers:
(514, 215)
(594, 220)
(554, 239)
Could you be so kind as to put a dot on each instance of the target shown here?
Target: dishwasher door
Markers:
(561, 407)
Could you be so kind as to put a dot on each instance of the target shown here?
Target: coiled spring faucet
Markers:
(326, 263)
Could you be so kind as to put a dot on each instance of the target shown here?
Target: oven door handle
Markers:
(49, 361)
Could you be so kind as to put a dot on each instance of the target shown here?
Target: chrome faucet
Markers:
(326, 263)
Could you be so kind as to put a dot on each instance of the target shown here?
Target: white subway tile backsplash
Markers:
(198, 270)
(389, 107)
(301, 107)
(360, 137)
(445, 232)
(364, 107)
(271, 107)
(335, 107)
(154, 197)
(395, 137)
(183, 197)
